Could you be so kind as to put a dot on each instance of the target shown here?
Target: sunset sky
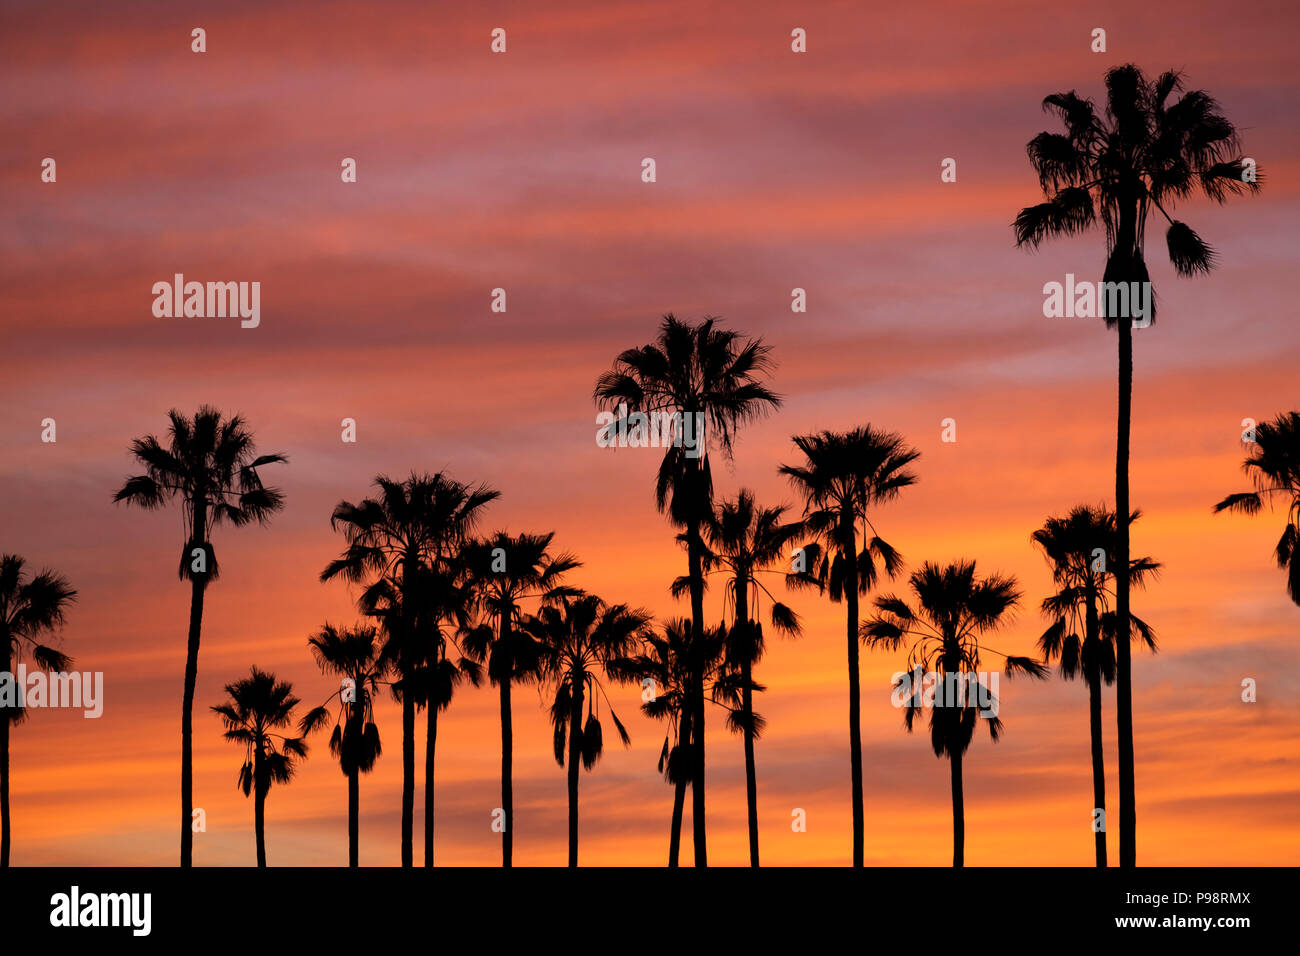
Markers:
(522, 170)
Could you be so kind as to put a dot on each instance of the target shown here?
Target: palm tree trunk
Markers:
(408, 775)
(575, 758)
(5, 668)
(747, 708)
(507, 749)
(855, 709)
(354, 732)
(958, 811)
(198, 585)
(679, 787)
(354, 815)
(430, 745)
(695, 549)
(1098, 763)
(259, 814)
(1092, 673)
(1123, 664)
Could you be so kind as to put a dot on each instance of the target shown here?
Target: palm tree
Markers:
(353, 656)
(745, 540)
(712, 378)
(953, 609)
(1274, 469)
(845, 475)
(666, 666)
(507, 570)
(28, 609)
(210, 464)
(259, 705)
(410, 526)
(1080, 548)
(1142, 155)
(583, 638)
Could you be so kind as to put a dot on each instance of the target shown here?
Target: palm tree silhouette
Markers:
(353, 655)
(409, 526)
(953, 609)
(583, 638)
(665, 667)
(259, 705)
(1274, 469)
(507, 570)
(210, 464)
(745, 540)
(1081, 548)
(1144, 154)
(844, 476)
(29, 608)
(699, 373)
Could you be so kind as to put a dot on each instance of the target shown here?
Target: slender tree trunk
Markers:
(259, 811)
(747, 708)
(1123, 663)
(5, 669)
(958, 811)
(695, 546)
(507, 748)
(354, 815)
(855, 709)
(407, 630)
(1092, 673)
(575, 760)
(1098, 763)
(408, 775)
(679, 786)
(430, 746)
(198, 585)
(353, 734)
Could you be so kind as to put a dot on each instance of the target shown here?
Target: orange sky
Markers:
(522, 171)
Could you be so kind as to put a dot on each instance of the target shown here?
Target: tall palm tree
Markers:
(408, 527)
(1143, 155)
(1274, 469)
(582, 640)
(259, 705)
(699, 373)
(30, 607)
(1079, 607)
(507, 570)
(669, 662)
(845, 475)
(353, 656)
(954, 608)
(744, 541)
(210, 465)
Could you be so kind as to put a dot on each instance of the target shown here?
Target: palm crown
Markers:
(954, 609)
(258, 707)
(1144, 153)
(211, 464)
(29, 608)
(843, 476)
(1083, 578)
(1274, 468)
